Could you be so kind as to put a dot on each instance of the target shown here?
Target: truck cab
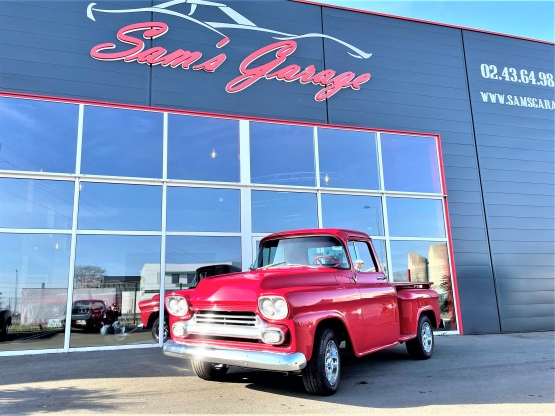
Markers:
(307, 291)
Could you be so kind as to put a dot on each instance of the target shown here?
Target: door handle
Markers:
(381, 277)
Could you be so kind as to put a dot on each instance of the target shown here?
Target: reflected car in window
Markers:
(88, 314)
(150, 308)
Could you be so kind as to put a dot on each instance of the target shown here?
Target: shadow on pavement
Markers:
(49, 400)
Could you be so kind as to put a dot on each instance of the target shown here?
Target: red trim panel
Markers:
(422, 21)
(450, 239)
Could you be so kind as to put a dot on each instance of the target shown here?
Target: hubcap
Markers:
(426, 336)
(332, 362)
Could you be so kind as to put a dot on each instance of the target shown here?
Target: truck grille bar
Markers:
(226, 318)
(229, 324)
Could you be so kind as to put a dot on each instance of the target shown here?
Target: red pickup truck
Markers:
(307, 291)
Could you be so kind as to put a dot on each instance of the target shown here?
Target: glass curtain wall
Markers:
(103, 209)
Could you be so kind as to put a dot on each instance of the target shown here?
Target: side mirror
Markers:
(359, 264)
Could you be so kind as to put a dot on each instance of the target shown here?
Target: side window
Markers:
(361, 250)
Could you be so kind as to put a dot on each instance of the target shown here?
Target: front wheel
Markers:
(321, 374)
(155, 330)
(422, 347)
(209, 371)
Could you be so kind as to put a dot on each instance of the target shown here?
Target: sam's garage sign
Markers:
(253, 68)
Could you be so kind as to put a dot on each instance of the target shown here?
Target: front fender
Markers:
(305, 329)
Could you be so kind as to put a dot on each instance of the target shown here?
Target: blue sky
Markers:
(531, 19)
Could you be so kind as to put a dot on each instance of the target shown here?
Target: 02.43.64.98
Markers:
(544, 79)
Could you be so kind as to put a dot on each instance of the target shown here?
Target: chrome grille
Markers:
(226, 318)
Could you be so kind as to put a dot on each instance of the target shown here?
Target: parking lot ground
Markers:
(487, 374)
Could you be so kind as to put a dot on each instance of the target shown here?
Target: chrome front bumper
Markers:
(262, 360)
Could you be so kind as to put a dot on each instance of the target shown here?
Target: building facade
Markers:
(142, 141)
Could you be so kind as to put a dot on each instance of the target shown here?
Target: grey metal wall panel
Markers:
(516, 155)
(539, 323)
(514, 279)
(48, 46)
(198, 90)
(423, 91)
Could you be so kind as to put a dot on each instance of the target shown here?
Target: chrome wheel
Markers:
(331, 362)
(427, 337)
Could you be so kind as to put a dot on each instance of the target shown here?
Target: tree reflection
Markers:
(88, 276)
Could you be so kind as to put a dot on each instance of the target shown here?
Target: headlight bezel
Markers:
(177, 305)
(274, 316)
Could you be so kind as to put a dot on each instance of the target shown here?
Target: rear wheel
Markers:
(209, 371)
(322, 373)
(422, 347)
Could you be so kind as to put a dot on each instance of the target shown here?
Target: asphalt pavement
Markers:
(487, 374)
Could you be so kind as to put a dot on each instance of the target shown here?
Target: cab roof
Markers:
(337, 232)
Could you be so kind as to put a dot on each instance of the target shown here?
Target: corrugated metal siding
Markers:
(198, 90)
(517, 160)
(44, 49)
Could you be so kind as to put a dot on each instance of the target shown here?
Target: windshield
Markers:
(317, 251)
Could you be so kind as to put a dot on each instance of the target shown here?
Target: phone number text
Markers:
(545, 79)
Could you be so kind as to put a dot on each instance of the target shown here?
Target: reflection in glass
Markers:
(348, 159)
(111, 206)
(38, 136)
(191, 258)
(353, 212)
(203, 148)
(280, 211)
(112, 274)
(30, 203)
(426, 261)
(202, 209)
(379, 247)
(120, 142)
(34, 271)
(281, 154)
(360, 250)
(410, 163)
(415, 217)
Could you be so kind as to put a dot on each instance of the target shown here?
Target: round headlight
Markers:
(280, 307)
(273, 307)
(177, 305)
(267, 307)
(172, 305)
(183, 307)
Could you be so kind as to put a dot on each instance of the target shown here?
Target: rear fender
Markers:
(412, 304)
(306, 325)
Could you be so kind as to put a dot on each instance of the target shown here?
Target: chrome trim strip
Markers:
(262, 360)
(234, 331)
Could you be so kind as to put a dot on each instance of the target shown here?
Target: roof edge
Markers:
(333, 6)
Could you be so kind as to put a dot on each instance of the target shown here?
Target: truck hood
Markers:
(244, 289)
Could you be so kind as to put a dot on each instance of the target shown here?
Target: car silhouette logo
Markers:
(240, 22)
